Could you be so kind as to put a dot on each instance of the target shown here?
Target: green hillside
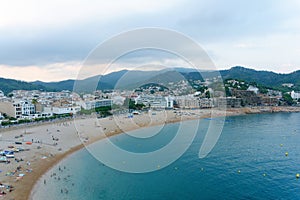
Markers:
(8, 85)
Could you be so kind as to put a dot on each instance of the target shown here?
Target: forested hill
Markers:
(266, 78)
(126, 79)
(8, 85)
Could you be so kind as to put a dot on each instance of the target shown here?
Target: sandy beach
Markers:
(53, 142)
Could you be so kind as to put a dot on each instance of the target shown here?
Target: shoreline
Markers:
(25, 187)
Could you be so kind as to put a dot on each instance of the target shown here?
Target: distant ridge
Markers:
(126, 79)
(60, 85)
(266, 78)
(8, 85)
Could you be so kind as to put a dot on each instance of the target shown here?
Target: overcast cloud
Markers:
(53, 37)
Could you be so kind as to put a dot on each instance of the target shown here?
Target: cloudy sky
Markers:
(49, 40)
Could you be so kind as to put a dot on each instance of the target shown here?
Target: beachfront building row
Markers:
(235, 102)
(184, 102)
(240, 99)
(22, 109)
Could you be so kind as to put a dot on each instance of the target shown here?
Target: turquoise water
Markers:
(248, 162)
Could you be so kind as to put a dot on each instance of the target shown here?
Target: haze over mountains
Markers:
(126, 79)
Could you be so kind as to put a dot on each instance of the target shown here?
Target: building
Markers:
(88, 105)
(12, 109)
(17, 108)
(248, 97)
(27, 108)
(60, 110)
(170, 102)
(206, 103)
(187, 102)
(288, 85)
(153, 101)
(274, 93)
(253, 89)
(269, 101)
(229, 102)
(295, 95)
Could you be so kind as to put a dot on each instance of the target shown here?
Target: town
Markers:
(26, 106)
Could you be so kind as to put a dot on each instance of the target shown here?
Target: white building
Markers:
(88, 105)
(27, 108)
(170, 102)
(155, 101)
(295, 95)
(288, 85)
(253, 89)
(60, 110)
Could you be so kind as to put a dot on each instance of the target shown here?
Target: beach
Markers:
(50, 143)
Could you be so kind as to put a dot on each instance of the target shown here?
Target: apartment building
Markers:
(187, 102)
(11, 108)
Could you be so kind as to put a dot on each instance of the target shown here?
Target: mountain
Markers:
(266, 78)
(194, 76)
(132, 79)
(88, 84)
(165, 77)
(126, 79)
(8, 85)
(60, 85)
(123, 79)
(112, 78)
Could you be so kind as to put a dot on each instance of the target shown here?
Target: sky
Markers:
(50, 40)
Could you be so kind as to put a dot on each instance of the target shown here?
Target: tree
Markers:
(228, 93)
(207, 94)
(133, 106)
(34, 101)
(288, 99)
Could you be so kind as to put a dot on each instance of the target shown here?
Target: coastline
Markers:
(84, 135)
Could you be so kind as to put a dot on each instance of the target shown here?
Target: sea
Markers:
(256, 157)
